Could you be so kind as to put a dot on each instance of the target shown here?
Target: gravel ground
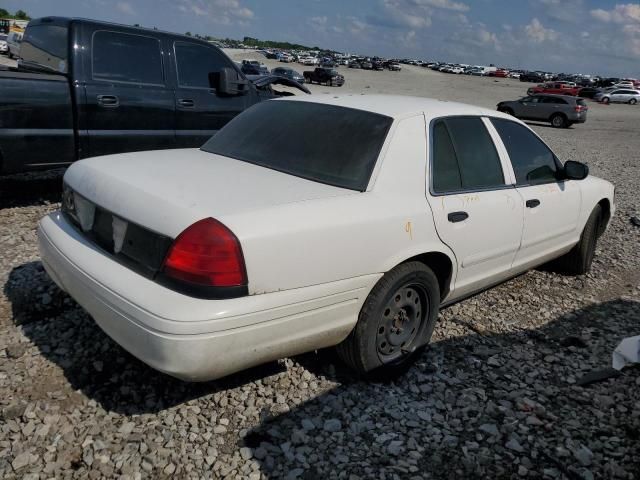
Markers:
(503, 392)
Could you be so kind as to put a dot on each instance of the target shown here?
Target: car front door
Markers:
(552, 205)
(529, 108)
(128, 104)
(200, 111)
(476, 210)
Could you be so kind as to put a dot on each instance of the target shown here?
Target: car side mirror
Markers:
(575, 170)
(228, 82)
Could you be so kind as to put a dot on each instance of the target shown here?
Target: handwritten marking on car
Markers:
(409, 229)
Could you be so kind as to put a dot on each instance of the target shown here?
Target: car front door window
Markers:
(551, 204)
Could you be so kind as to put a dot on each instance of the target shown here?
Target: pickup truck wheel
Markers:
(395, 322)
(578, 260)
(559, 121)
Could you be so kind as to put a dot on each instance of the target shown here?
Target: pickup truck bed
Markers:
(37, 119)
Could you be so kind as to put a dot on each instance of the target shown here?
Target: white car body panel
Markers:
(313, 252)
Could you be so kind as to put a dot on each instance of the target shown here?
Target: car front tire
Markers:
(579, 259)
(633, 101)
(395, 322)
(606, 100)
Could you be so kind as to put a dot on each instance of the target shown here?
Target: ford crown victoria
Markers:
(350, 221)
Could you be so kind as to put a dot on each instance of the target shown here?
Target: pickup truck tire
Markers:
(395, 322)
(558, 120)
(578, 260)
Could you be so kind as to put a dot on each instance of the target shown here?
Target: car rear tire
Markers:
(579, 259)
(633, 101)
(395, 322)
(559, 121)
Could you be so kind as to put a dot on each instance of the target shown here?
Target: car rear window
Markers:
(581, 102)
(325, 143)
(46, 46)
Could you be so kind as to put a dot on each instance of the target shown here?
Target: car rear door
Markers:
(550, 105)
(200, 111)
(129, 106)
(476, 210)
(552, 205)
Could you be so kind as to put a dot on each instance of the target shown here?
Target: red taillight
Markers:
(580, 108)
(207, 253)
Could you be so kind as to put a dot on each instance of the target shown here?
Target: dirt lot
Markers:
(499, 395)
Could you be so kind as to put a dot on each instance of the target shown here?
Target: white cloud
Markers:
(444, 4)
(224, 12)
(621, 13)
(538, 33)
(125, 8)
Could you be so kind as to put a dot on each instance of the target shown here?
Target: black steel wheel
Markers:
(395, 322)
(400, 322)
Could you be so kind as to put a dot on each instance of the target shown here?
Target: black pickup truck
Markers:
(85, 88)
(324, 75)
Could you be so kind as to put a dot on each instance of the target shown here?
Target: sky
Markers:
(571, 36)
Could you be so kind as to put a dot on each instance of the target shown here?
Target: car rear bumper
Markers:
(189, 338)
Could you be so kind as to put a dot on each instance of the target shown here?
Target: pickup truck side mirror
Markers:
(575, 170)
(228, 82)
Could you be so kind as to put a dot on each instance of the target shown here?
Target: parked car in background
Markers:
(534, 77)
(327, 76)
(289, 73)
(554, 88)
(588, 92)
(561, 111)
(393, 66)
(14, 40)
(4, 48)
(618, 95)
(355, 64)
(118, 93)
(253, 67)
(366, 65)
(200, 287)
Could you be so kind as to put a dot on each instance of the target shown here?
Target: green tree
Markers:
(188, 34)
(3, 13)
(22, 15)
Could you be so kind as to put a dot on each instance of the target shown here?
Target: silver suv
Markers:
(561, 111)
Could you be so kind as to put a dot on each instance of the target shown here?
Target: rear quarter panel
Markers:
(320, 241)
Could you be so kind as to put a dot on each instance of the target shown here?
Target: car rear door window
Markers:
(464, 144)
(195, 63)
(129, 58)
(533, 162)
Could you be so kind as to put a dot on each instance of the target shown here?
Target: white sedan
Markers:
(309, 222)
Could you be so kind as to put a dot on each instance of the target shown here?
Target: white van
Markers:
(14, 39)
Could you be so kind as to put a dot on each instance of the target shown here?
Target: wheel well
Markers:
(605, 205)
(441, 266)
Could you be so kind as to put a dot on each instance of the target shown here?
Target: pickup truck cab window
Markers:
(128, 58)
(46, 46)
(533, 162)
(195, 62)
(464, 156)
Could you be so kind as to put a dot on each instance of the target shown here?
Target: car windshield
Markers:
(3, 37)
(323, 143)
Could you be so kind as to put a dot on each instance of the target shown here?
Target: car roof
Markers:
(399, 106)
(555, 95)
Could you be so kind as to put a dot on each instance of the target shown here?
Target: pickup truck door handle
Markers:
(533, 203)
(455, 217)
(108, 101)
(186, 102)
